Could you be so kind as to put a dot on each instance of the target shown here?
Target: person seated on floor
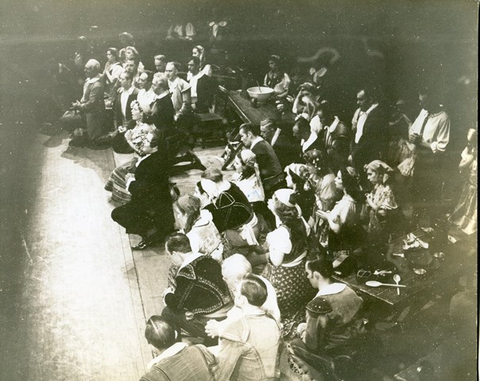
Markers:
(197, 224)
(232, 213)
(271, 172)
(149, 212)
(89, 117)
(175, 360)
(307, 138)
(234, 269)
(380, 202)
(200, 292)
(122, 113)
(286, 255)
(146, 95)
(249, 347)
(333, 318)
(160, 62)
(281, 141)
(199, 52)
(247, 177)
(202, 88)
(297, 178)
(345, 234)
(117, 183)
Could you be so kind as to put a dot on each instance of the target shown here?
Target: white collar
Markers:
(204, 219)
(189, 259)
(142, 158)
(334, 125)
(255, 141)
(332, 289)
(313, 136)
(162, 95)
(169, 352)
(372, 107)
(275, 136)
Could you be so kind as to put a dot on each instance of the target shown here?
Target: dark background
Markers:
(431, 42)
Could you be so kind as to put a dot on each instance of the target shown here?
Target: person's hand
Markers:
(212, 329)
(413, 138)
(122, 129)
(76, 105)
(323, 215)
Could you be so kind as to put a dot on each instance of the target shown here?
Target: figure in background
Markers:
(179, 89)
(369, 130)
(276, 78)
(197, 224)
(249, 347)
(111, 73)
(398, 127)
(160, 62)
(464, 215)
(181, 31)
(126, 39)
(308, 139)
(122, 113)
(306, 102)
(91, 107)
(199, 52)
(131, 53)
(175, 360)
(430, 132)
(202, 87)
(380, 202)
(200, 292)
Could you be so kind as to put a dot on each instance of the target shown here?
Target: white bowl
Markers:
(260, 93)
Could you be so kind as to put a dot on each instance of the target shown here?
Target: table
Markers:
(249, 114)
(440, 274)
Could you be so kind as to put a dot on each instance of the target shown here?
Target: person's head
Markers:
(251, 291)
(131, 53)
(472, 137)
(245, 163)
(159, 83)
(211, 178)
(301, 129)
(137, 111)
(150, 143)
(92, 68)
(317, 162)
(188, 208)
(144, 80)
(429, 100)
(126, 39)
(248, 133)
(365, 99)
(284, 205)
(159, 333)
(296, 176)
(325, 114)
(177, 246)
(274, 62)
(319, 271)
(193, 65)
(112, 55)
(201, 194)
(131, 66)
(160, 63)
(347, 181)
(126, 79)
(171, 70)
(234, 269)
(198, 51)
(267, 129)
(377, 172)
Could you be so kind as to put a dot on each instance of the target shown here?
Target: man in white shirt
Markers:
(430, 132)
(179, 88)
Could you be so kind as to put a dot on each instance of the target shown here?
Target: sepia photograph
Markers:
(213, 190)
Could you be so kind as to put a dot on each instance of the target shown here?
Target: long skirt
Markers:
(117, 184)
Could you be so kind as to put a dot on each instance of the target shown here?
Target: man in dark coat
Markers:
(149, 212)
(281, 141)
